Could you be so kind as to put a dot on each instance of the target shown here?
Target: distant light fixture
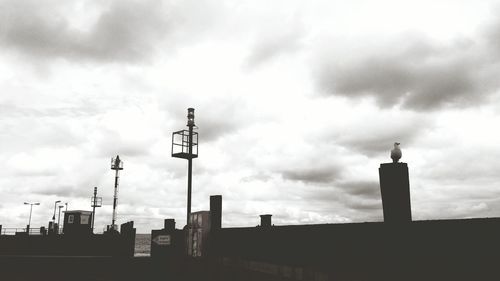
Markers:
(31, 210)
(54, 216)
(190, 117)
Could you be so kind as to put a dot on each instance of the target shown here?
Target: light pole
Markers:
(54, 216)
(185, 145)
(190, 125)
(59, 217)
(31, 209)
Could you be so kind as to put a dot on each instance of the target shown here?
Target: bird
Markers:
(396, 153)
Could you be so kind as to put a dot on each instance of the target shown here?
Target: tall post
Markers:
(59, 216)
(93, 206)
(190, 171)
(31, 210)
(95, 202)
(29, 221)
(115, 198)
(185, 146)
(54, 216)
(117, 165)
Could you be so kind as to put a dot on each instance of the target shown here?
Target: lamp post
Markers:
(186, 147)
(55, 206)
(59, 217)
(31, 209)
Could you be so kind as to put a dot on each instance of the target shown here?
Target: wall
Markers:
(420, 250)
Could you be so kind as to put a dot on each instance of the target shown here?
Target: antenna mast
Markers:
(117, 165)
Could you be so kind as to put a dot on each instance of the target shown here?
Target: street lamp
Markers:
(31, 209)
(59, 216)
(55, 206)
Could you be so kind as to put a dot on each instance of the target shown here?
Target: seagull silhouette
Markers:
(396, 153)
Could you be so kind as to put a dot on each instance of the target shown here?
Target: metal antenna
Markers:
(117, 165)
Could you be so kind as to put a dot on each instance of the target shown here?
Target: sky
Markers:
(297, 103)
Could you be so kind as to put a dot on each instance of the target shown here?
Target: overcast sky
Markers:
(297, 104)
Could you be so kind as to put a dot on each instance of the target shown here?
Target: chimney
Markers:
(216, 211)
(265, 220)
(395, 190)
(169, 224)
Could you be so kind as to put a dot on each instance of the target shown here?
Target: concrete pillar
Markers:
(265, 220)
(216, 212)
(395, 190)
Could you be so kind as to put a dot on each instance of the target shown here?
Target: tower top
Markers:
(190, 117)
(116, 163)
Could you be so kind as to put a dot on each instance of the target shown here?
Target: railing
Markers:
(32, 230)
(36, 231)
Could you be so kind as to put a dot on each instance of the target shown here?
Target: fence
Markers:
(14, 230)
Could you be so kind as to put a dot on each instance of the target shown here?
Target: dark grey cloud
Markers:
(415, 73)
(350, 190)
(362, 199)
(370, 189)
(124, 31)
(214, 118)
(380, 136)
(365, 206)
(358, 200)
(321, 175)
(216, 126)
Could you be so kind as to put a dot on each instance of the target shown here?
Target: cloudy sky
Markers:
(297, 104)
